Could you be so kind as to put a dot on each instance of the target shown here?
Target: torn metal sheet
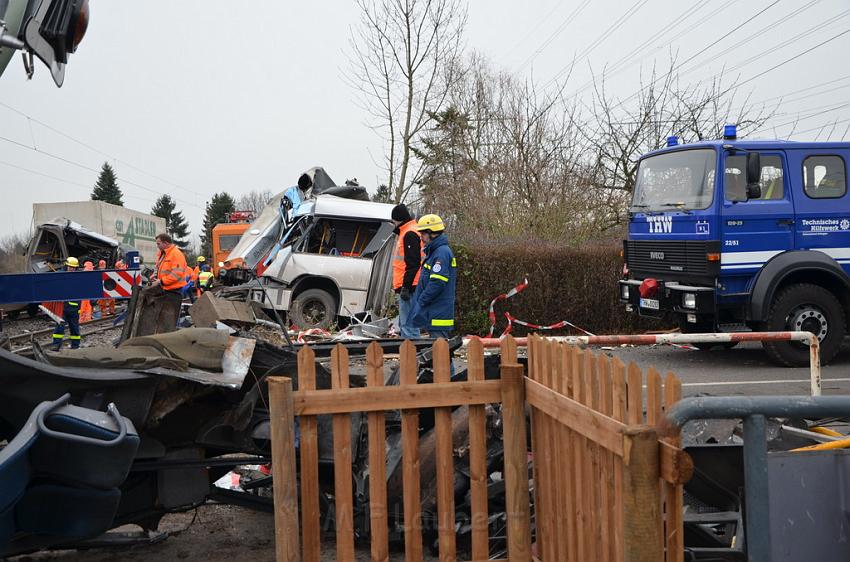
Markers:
(234, 365)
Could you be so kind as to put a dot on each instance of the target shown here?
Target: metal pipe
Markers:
(757, 508)
(646, 339)
(739, 407)
(753, 410)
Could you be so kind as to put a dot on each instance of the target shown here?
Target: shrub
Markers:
(578, 285)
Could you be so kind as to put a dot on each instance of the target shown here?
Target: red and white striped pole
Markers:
(645, 339)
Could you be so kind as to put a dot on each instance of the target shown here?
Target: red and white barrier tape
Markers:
(513, 320)
(555, 326)
(504, 296)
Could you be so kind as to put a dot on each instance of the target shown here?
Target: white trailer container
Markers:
(129, 227)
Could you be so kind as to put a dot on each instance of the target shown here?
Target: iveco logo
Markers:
(656, 255)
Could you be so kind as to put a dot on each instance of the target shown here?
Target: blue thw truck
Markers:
(735, 234)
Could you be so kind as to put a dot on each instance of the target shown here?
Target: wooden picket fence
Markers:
(605, 487)
(602, 480)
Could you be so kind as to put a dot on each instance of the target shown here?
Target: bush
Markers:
(578, 285)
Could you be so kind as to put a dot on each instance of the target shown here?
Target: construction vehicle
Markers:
(730, 233)
(226, 235)
(48, 29)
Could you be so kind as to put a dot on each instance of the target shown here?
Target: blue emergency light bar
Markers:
(730, 132)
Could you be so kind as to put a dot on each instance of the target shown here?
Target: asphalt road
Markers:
(743, 370)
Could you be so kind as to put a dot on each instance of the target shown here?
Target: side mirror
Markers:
(753, 175)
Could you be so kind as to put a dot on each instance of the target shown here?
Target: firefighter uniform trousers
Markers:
(71, 314)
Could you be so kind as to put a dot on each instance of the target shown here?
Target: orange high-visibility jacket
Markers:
(171, 269)
(400, 267)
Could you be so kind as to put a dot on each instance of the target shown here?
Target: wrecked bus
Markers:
(332, 260)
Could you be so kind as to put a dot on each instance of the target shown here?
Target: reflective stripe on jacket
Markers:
(402, 272)
(434, 299)
(205, 277)
(171, 269)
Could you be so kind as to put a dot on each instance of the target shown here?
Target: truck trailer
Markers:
(130, 228)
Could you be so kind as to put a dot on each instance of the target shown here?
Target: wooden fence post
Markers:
(641, 496)
(287, 546)
(516, 463)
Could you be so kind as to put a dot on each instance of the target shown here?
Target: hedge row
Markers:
(578, 285)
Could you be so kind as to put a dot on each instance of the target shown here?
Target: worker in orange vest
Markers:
(162, 299)
(85, 306)
(105, 304)
(406, 263)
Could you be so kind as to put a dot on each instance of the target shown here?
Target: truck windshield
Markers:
(677, 180)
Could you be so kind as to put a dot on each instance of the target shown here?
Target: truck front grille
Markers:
(672, 258)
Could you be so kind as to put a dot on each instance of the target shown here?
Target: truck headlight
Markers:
(624, 291)
(689, 300)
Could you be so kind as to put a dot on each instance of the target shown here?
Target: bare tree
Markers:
(255, 200)
(402, 61)
(12, 250)
(503, 160)
(619, 131)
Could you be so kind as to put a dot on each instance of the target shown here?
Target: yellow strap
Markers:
(73, 303)
(426, 266)
(442, 323)
(59, 336)
(76, 337)
(440, 277)
(825, 431)
(454, 262)
(828, 446)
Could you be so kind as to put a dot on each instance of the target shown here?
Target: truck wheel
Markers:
(807, 308)
(314, 308)
(33, 310)
(14, 314)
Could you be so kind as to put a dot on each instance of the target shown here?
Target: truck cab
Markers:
(733, 234)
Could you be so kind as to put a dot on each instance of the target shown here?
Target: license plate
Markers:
(650, 303)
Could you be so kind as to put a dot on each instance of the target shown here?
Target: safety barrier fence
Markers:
(754, 411)
(607, 487)
(806, 338)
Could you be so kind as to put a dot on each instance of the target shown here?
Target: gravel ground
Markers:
(219, 533)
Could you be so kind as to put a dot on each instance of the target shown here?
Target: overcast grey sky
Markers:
(192, 97)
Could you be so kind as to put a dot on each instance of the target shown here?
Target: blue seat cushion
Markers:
(66, 512)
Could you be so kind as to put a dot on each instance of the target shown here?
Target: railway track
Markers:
(99, 325)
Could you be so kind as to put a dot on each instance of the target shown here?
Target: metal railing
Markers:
(754, 410)
(646, 339)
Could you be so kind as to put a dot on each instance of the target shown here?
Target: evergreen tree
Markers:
(383, 195)
(106, 188)
(175, 222)
(217, 207)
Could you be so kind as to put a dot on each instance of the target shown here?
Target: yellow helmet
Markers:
(72, 262)
(430, 222)
(201, 259)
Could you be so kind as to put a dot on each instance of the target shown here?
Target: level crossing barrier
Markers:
(806, 338)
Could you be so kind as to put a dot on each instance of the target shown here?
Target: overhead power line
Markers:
(88, 168)
(554, 35)
(62, 180)
(611, 30)
(97, 150)
(698, 53)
